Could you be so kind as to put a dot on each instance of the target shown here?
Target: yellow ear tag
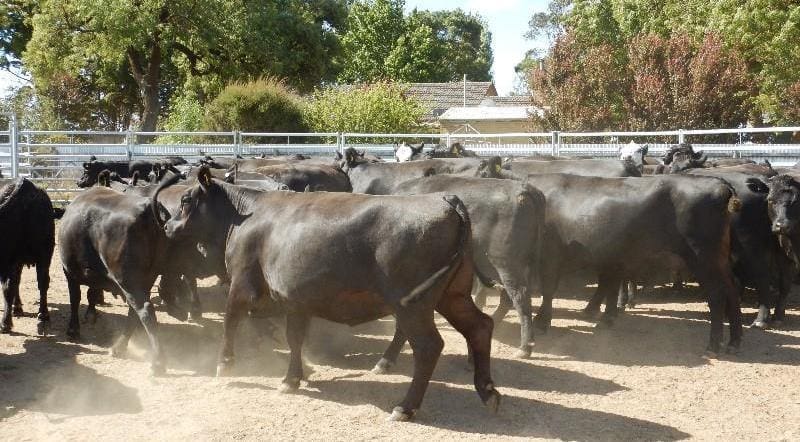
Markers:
(497, 168)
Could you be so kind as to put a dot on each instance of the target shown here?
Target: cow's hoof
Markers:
(158, 369)
(73, 334)
(604, 323)
(733, 349)
(710, 354)
(90, 316)
(289, 386)
(383, 366)
(5, 329)
(400, 415)
(776, 323)
(542, 325)
(18, 312)
(761, 325)
(493, 401)
(590, 313)
(195, 316)
(118, 351)
(224, 368)
(524, 352)
(42, 327)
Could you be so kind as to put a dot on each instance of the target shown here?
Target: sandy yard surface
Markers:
(642, 380)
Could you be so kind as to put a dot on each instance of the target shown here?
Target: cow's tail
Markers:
(464, 246)
(734, 203)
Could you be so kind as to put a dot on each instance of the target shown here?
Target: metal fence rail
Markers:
(53, 159)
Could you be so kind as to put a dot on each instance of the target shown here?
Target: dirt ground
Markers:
(642, 380)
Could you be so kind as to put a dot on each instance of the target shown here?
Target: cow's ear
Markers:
(645, 148)
(338, 156)
(757, 186)
(86, 166)
(204, 177)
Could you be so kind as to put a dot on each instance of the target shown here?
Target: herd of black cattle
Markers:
(354, 239)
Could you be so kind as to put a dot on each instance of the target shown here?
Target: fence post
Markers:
(555, 142)
(129, 135)
(237, 143)
(13, 141)
(680, 136)
(344, 143)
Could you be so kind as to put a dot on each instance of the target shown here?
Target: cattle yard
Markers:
(376, 239)
(644, 379)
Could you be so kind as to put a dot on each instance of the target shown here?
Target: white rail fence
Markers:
(53, 159)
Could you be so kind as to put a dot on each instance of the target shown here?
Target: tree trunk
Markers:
(148, 77)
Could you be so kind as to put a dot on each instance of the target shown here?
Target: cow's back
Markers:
(316, 245)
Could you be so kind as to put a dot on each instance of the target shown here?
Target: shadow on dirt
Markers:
(46, 378)
(461, 410)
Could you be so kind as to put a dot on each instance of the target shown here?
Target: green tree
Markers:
(382, 44)
(15, 30)
(150, 49)
(376, 108)
(373, 29)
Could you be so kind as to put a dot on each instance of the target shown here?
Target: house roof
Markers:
(436, 98)
(513, 100)
(488, 113)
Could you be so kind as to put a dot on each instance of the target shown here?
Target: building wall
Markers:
(488, 127)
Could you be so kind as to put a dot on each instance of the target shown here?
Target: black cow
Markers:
(783, 208)
(315, 177)
(683, 157)
(595, 167)
(28, 229)
(604, 223)
(756, 252)
(110, 241)
(327, 254)
(382, 178)
(124, 169)
(507, 221)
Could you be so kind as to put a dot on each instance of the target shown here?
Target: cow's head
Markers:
(407, 152)
(91, 170)
(352, 158)
(783, 203)
(490, 168)
(193, 207)
(683, 157)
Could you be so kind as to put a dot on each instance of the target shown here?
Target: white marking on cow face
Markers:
(405, 153)
(628, 151)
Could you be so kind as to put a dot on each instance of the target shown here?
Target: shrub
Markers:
(377, 108)
(264, 105)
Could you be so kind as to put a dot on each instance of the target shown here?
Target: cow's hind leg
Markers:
(417, 324)
(8, 302)
(94, 296)
(140, 303)
(74, 327)
(296, 328)
(195, 308)
(17, 309)
(235, 308)
(120, 347)
(43, 283)
(476, 327)
(389, 358)
(517, 295)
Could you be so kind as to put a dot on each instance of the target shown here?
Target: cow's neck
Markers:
(240, 202)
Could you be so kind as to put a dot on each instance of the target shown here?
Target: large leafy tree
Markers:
(15, 30)
(764, 35)
(383, 44)
(148, 49)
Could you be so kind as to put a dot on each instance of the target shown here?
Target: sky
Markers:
(507, 20)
